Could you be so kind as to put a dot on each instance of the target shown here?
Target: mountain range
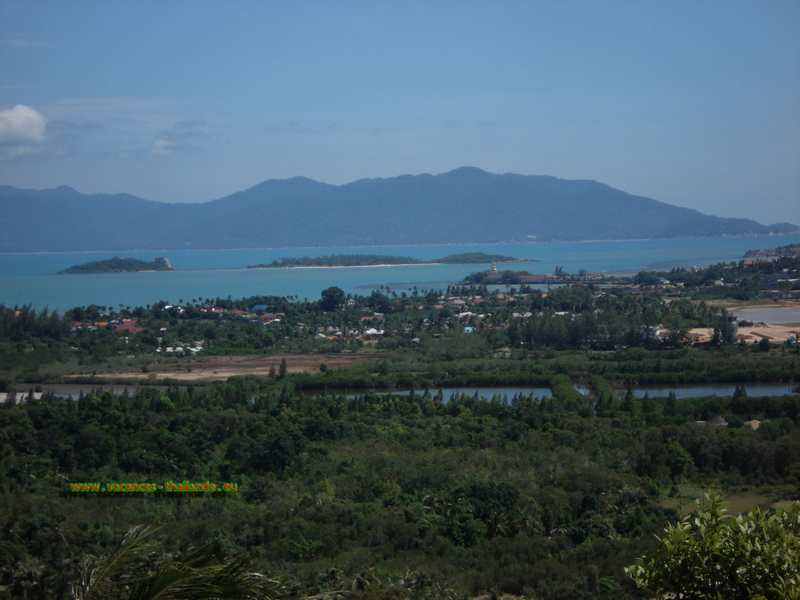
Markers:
(463, 205)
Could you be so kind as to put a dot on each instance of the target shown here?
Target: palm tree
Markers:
(138, 571)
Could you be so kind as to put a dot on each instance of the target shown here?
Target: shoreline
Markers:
(795, 234)
(419, 264)
(415, 264)
(118, 272)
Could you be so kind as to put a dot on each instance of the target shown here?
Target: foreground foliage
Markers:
(709, 555)
(137, 571)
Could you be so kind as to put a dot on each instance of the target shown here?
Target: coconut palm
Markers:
(138, 571)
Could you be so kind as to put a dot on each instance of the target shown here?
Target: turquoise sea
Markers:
(32, 279)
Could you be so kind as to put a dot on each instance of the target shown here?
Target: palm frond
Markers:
(202, 580)
(98, 575)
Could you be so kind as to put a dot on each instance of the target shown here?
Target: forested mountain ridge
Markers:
(463, 205)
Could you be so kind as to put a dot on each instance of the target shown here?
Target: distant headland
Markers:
(789, 251)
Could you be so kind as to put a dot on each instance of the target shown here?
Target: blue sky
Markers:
(694, 103)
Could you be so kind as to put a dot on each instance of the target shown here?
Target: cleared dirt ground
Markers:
(219, 368)
(773, 333)
(734, 304)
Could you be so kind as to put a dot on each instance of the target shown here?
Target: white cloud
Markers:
(22, 128)
(21, 125)
(183, 136)
(122, 126)
(163, 147)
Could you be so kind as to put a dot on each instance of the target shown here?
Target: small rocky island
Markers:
(371, 260)
(495, 277)
(120, 265)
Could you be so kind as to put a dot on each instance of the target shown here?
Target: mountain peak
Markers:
(289, 182)
(464, 205)
(64, 189)
(467, 171)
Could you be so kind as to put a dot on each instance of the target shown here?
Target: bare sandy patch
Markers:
(775, 334)
(737, 304)
(220, 368)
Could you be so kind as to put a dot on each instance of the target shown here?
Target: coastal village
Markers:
(464, 312)
(489, 306)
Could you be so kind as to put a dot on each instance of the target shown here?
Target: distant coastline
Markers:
(268, 268)
(380, 260)
(540, 242)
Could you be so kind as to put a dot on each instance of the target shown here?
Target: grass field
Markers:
(737, 500)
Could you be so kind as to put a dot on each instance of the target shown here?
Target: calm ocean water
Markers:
(32, 279)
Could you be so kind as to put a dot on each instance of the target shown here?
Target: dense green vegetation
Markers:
(338, 260)
(502, 277)
(711, 555)
(361, 260)
(345, 488)
(466, 258)
(120, 265)
(549, 499)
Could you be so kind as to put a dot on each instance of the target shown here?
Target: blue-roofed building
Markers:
(258, 308)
